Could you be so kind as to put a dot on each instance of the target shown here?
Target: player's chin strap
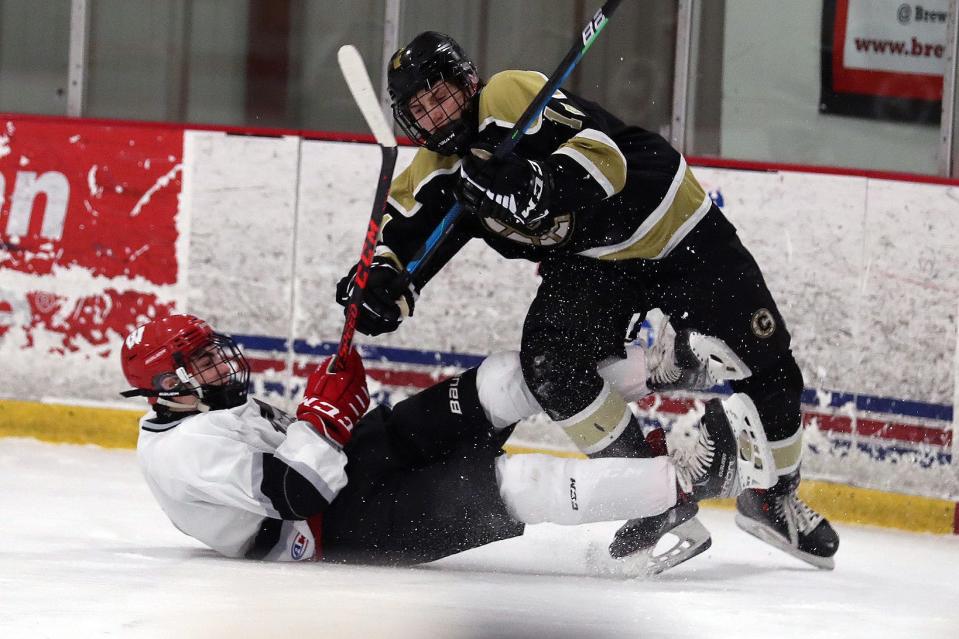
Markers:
(192, 390)
(163, 398)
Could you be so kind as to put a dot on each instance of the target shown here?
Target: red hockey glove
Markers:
(334, 402)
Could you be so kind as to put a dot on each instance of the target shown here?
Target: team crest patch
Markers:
(763, 323)
(300, 545)
(556, 234)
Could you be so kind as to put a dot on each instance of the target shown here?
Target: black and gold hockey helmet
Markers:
(421, 66)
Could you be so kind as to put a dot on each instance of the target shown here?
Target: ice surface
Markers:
(85, 552)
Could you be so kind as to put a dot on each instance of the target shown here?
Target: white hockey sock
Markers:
(628, 376)
(506, 399)
(543, 488)
(503, 394)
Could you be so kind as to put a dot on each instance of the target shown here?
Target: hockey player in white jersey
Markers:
(410, 484)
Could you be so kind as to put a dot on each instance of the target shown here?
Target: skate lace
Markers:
(664, 369)
(692, 464)
(797, 513)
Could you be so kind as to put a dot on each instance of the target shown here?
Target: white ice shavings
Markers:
(24, 160)
(4, 145)
(851, 459)
(74, 139)
(95, 189)
(162, 182)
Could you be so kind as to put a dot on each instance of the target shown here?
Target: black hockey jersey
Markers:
(620, 192)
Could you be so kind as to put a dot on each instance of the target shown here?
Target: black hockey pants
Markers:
(422, 483)
(709, 283)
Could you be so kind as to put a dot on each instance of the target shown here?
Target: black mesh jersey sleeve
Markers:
(292, 495)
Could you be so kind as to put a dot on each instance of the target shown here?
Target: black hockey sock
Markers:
(630, 443)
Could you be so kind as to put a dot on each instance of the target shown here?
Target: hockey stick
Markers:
(587, 37)
(357, 78)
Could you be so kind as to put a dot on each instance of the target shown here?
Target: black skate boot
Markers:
(709, 469)
(641, 536)
(688, 360)
(731, 452)
(780, 518)
(701, 472)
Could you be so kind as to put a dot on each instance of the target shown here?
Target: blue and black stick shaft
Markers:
(535, 109)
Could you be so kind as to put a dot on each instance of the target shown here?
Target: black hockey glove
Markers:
(380, 311)
(513, 190)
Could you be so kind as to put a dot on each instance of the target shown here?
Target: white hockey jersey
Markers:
(222, 476)
(207, 471)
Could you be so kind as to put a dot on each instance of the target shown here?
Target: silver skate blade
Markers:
(771, 537)
(692, 539)
(755, 464)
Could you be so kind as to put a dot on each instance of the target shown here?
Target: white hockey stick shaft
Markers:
(357, 78)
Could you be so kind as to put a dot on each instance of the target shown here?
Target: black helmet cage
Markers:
(231, 384)
(227, 389)
(428, 60)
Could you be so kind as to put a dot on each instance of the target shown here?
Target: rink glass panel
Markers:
(34, 53)
(755, 95)
(257, 63)
(629, 70)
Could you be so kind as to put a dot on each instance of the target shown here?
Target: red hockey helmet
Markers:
(181, 355)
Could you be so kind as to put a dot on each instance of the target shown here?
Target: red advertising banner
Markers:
(90, 204)
(884, 58)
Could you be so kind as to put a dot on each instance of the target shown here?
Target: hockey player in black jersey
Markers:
(410, 484)
(619, 225)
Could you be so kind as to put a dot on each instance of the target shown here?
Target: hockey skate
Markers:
(731, 453)
(782, 519)
(688, 360)
(638, 538)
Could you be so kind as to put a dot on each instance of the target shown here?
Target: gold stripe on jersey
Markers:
(425, 166)
(599, 156)
(506, 96)
(559, 118)
(787, 453)
(683, 206)
(599, 424)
